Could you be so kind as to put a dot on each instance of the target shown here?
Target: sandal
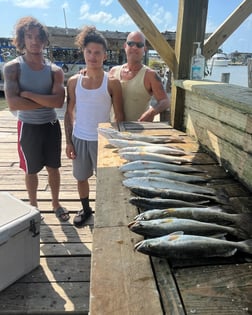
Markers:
(62, 214)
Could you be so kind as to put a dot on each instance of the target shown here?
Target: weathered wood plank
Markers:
(222, 289)
(43, 298)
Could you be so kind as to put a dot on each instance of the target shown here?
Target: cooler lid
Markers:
(12, 208)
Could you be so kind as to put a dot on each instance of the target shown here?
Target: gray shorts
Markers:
(85, 163)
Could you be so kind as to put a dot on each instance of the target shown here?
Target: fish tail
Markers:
(246, 246)
(222, 196)
(244, 222)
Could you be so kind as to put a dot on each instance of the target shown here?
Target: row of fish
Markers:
(172, 196)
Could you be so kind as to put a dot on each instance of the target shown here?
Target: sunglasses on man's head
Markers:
(137, 44)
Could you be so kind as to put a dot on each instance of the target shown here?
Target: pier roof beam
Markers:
(217, 38)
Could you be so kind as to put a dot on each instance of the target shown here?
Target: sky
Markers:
(110, 15)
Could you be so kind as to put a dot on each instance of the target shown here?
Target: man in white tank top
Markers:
(90, 96)
(139, 82)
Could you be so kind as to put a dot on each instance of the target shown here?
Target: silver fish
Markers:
(150, 192)
(160, 227)
(124, 143)
(154, 203)
(208, 214)
(159, 182)
(180, 246)
(112, 133)
(142, 165)
(148, 156)
(166, 174)
(154, 149)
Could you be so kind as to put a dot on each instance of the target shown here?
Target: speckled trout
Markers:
(181, 246)
(159, 182)
(148, 156)
(150, 192)
(154, 203)
(208, 214)
(154, 149)
(112, 133)
(160, 227)
(143, 165)
(166, 174)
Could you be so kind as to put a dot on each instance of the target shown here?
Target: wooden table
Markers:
(126, 282)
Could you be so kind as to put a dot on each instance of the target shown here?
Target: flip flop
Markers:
(62, 214)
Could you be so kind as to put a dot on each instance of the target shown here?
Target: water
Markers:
(238, 74)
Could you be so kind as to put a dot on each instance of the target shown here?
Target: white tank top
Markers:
(92, 107)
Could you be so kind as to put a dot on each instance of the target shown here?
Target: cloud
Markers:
(38, 4)
(106, 3)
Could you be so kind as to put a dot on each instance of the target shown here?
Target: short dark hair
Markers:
(89, 34)
(25, 24)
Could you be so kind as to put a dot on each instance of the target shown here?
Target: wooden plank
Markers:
(150, 31)
(227, 28)
(222, 289)
(43, 298)
(121, 280)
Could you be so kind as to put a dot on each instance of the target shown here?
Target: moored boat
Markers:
(219, 59)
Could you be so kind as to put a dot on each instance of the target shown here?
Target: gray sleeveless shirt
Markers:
(40, 82)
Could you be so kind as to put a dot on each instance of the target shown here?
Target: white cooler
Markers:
(19, 239)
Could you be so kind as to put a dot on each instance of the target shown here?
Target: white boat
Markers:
(219, 59)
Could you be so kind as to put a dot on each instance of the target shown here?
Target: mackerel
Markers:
(142, 165)
(178, 246)
(166, 174)
(133, 156)
(160, 227)
(159, 182)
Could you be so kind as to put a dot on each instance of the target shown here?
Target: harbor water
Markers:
(238, 74)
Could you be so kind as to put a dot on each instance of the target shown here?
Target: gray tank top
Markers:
(40, 82)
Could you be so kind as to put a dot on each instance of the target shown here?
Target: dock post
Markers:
(225, 77)
(250, 72)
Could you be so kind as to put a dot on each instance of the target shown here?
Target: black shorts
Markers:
(39, 146)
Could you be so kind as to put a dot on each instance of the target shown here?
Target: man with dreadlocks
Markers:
(34, 87)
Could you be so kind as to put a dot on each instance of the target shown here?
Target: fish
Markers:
(159, 182)
(183, 246)
(154, 149)
(153, 203)
(148, 156)
(112, 133)
(160, 227)
(213, 214)
(124, 143)
(166, 174)
(150, 192)
(142, 165)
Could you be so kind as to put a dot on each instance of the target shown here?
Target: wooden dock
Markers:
(61, 283)
(94, 270)
(124, 281)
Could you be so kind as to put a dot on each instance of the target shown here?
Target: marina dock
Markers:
(95, 270)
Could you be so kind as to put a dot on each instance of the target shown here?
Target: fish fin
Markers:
(221, 236)
(230, 253)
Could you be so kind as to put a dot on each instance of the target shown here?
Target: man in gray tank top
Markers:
(34, 88)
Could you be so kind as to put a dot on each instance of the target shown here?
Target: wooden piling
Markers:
(250, 72)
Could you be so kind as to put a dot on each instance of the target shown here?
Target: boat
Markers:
(219, 59)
